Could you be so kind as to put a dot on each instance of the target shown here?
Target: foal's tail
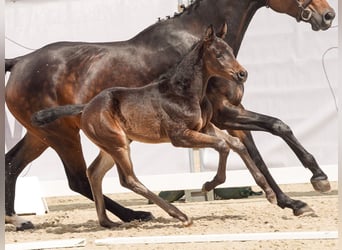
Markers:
(46, 116)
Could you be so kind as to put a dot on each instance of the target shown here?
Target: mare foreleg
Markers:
(298, 207)
(247, 120)
(233, 117)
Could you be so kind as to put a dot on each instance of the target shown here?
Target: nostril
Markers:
(242, 75)
(329, 16)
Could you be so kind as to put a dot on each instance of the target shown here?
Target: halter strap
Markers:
(303, 13)
(305, 3)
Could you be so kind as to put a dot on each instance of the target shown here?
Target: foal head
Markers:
(219, 58)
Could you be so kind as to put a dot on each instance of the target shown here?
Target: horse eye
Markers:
(219, 55)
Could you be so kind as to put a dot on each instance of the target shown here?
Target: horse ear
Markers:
(209, 34)
(223, 31)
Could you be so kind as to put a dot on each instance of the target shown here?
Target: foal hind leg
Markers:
(25, 151)
(70, 152)
(130, 181)
(95, 173)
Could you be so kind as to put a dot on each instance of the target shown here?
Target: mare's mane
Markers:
(186, 10)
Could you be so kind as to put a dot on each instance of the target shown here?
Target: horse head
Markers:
(316, 12)
(219, 57)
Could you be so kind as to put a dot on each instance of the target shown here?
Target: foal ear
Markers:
(209, 34)
(223, 31)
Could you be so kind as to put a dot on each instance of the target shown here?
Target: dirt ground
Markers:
(75, 217)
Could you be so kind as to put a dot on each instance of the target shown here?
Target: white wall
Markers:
(284, 60)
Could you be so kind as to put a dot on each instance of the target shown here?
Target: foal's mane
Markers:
(171, 72)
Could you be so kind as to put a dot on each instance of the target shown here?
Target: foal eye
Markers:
(219, 55)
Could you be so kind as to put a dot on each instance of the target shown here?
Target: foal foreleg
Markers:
(220, 176)
(237, 146)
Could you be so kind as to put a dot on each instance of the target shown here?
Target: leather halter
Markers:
(303, 14)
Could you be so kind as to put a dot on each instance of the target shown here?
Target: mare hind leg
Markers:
(298, 207)
(25, 151)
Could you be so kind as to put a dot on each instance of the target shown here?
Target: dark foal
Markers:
(172, 109)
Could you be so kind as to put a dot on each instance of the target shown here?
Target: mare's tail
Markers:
(9, 63)
(46, 116)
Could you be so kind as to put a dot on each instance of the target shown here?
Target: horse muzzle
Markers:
(317, 21)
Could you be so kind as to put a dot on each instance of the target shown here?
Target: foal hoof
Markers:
(145, 216)
(25, 226)
(109, 224)
(322, 186)
(187, 223)
(271, 197)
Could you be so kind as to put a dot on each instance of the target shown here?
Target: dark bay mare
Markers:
(74, 72)
(173, 109)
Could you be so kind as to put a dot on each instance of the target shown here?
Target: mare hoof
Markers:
(322, 186)
(306, 210)
(25, 226)
(145, 216)
(140, 216)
